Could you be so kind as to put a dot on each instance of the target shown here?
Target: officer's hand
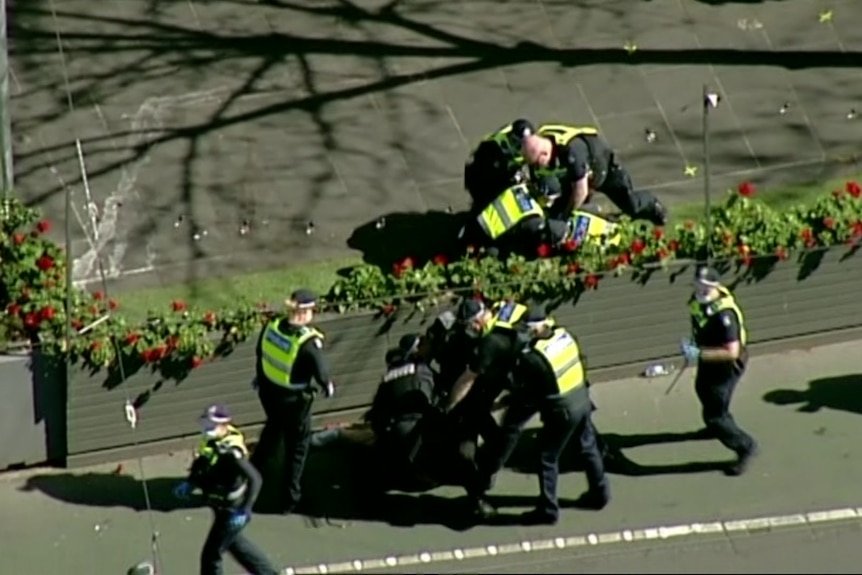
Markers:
(238, 519)
(690, 351)
(183, 490)
(329, 390)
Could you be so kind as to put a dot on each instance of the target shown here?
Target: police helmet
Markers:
(468, 310)
(522, 128)
(409, 344)
(707, 276)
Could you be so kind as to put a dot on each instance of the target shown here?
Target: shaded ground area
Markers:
(199, 119)
(811, 461)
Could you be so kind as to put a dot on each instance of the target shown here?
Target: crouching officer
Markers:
(289, 359)
(719, 348)
(584, 162)
(230, 485)
(549, 378)
(496, 163)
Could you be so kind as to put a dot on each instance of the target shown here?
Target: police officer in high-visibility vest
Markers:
(549, 378)
(584, 162)
(289, 361)
(230, 484)
(515, 222)
(719, 348)
(496, 163)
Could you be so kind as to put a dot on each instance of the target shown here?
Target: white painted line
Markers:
(662, 532)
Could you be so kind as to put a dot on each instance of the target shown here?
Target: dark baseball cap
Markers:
(468, 310)
(217, 413)
(535, 315)
(707, 276)
(302, 299)
(409, 343)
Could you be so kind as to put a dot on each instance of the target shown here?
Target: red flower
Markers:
(808, 237)
(853, 189)
(210, 318)
(178, 305)
(94, 310)
(856, 229)
(154, 354)
(43, 227)
(96, 345)
(98, 295)
(829, 222)
(440, 260)
(77, 324)
(113, 305)
(781, 253)
(196, 362)
(31, 320)
(658, 233)
(18, 238)
(544, 250)
(570, 245)
(573, 268)
(45, 263)
(728, 238)
(387, 309)
(13, 309)
(623, 259)
(131, 338)
(746, 189)
(171, 343)
(744, 250)
(47, 313)
(673, 245)
(638, 246)
(591, 281)
(662, 254)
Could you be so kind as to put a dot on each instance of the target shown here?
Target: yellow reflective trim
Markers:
(564, 356)
(507, 210)
(279, 352)
(726, 302)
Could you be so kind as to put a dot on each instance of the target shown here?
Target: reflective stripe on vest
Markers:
(560, 135)
(590, 227)
(563, 354)
(506, 315)
(209, 448)
(502, 138)
(725, 302)
(279, 352)
(507, 210)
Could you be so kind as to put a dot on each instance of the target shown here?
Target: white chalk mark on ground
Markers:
(587, 540)
(109, 239)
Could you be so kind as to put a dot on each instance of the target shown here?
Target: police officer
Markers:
(584, 162)
(719, 348)
(496, 163)
(230, 485)
(549, 378)
(515, 222)
(289, 357)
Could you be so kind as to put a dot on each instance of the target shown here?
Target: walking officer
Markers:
(549, 378)
(718, 346)
(584, 162)
(496, 163)
(289, 359)
(230, 485)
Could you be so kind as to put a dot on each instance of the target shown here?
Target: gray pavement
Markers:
(803, 406)
(279, 113)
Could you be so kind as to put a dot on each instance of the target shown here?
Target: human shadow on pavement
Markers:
(420, 236)
(840, 393)
(110, 490)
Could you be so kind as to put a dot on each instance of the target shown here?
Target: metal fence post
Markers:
(6, 178)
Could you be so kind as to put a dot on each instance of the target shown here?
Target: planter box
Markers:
(624, 324)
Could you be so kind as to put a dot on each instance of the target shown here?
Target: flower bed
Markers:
(33, 280)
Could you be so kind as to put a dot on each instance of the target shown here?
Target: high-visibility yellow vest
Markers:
(592, 228)
(506, 315)
(502, 138)
(279, 351)
(210, 449)
(508, 210)
(561, 135)
(701, 314)
(561, 351)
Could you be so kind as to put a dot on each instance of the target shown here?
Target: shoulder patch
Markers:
(318, 343)
(725, 320)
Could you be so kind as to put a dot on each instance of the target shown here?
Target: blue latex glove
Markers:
(690, 351)
(238, 519)
(183, 490)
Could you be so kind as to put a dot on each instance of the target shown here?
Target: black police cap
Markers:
(522, 128)
(394, 356)
(468, 310)
(303, 299)
(707, 276)
(409, 343)
(535, 315)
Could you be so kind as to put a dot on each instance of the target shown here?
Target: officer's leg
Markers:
(598, 494)
(495, 453)
(557, 428)
(217, 542)
(715, 389)
(296, 443)
(250, 557)
(637, 204)
(270, 433)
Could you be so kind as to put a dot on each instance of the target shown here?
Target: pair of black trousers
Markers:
(223, 538)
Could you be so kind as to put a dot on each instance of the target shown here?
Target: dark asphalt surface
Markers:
(340, 111)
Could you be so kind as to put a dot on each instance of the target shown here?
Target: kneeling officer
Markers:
(230, 485)
(549, 378)
(496, 163)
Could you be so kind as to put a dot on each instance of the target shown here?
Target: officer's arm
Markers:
(259, 352)
(320, 370)
(253, 479)
(731, 349)
(481, 362)
(578, 167)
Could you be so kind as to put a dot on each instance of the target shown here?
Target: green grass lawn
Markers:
(273, 285)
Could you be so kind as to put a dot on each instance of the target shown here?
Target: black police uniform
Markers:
(288, 409)
(716, 381)
(536, 388)
(230, 484)
(589, 153)
(493, 166)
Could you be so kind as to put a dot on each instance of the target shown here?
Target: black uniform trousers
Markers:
(563, 417)
(223, 539)
(288, 419)
(714, 385)
(636, 204)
